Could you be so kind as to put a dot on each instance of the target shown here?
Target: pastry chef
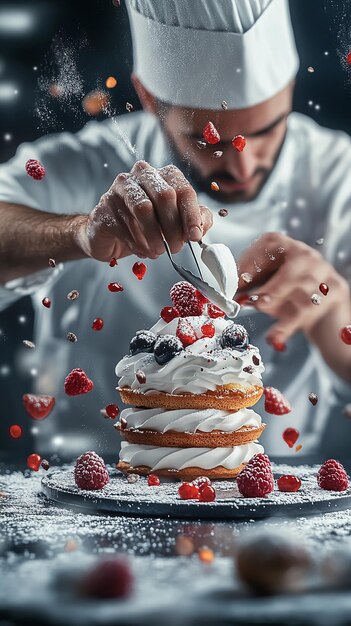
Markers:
(287, 219)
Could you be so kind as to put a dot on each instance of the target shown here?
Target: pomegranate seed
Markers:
(298, 448)
(345, 334)
(211, 134)
(207, 494)
(188, 491)
(239, 142)
(206, 555)
(113, 262)
(214, 311)
(168, 313)
(214, 186)
(223, 212)
(153, 480)
(290, 436)
(323, 288)
(208, 330)
(139, 269)
(97, 324)
(114, 287)
(313, 398)
(140, 376)
(288, 483)
(112, 411)
(279, 346)
(15, 431)
(45, 464)
(73, 295)
(348, 58)
(202, 481)
(46, 302)
(33, 462)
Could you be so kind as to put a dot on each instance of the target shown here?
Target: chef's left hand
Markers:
(285, 274)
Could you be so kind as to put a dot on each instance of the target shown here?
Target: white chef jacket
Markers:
(308, 196)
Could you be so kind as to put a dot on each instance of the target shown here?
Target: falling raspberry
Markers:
(112, 411)
(73, 295)
(15, 431)
(38, 406)
(239, 142)
(113, 262)
(289, 483)
(140, 376)
(345, 334)
(275, 403)
(153, 480)
(290, 436)
(114, 287)
(77, 383)
(211, 134)
(46, 302)
(169, 313)
(33, 462)
(139, 269)
(214, 186)
(223, 212)
(348, 58)
(206, 555)
(208, 330)
(35, 169)
(323, 288)
(97, 324)
(313, 398)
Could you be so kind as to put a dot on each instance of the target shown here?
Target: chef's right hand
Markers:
(130, 215)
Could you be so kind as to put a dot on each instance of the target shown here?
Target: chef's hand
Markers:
(286, 273)
(130, 215)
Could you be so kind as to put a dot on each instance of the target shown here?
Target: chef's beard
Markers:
(201, 184)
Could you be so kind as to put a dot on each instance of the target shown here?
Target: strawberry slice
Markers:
(275, 402)
(38, 406)
(185, 332)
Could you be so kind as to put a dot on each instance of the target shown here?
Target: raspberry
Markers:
(185, 332)
(289, 483)
(202, 481)
(345, 335)
(139, 269)
(183, 296)
(211, 134)
(168, 313)
(207, 494)
(35, 169)
(188, 491)
(33, 462)
(214, 311)
(275, 402)
(38, 407)
(208, 330)
(239, 142)
(256, 479)
(110, 578)
(90, 472)
(153, 480)
(332, 476)
(77, 382)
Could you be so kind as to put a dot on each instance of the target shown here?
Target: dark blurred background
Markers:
(76, 46)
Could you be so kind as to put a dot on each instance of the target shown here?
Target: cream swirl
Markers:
(180, 458)
(190, 421)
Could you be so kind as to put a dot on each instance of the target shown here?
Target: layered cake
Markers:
(190, 380)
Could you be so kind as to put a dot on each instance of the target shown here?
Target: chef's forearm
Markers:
(28, 238)
(326, 336)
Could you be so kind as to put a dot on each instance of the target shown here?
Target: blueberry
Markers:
(143, 341)
(166, 348)
(235, 336)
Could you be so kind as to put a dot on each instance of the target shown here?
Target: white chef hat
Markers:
(197, 53)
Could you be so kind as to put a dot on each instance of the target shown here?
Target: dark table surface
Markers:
(39, 542)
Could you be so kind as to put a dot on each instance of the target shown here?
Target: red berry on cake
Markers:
(169, 313)
(183, 296)
(90, 472)
(332, 476)
(214, 311)
(185, 332)
(208, 330)
(275, 402)
(38, 406)
(256, 479)
(188, 491)
(77, 383)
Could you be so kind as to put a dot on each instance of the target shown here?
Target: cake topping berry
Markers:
(289, 483)
(185, 332)
(33, 462)
(38, 406)
(139, 270)
(143, 341)
(275, 402)
(256, 479)
(211, 134)
(345, 334)
(290, 436)
(153, 480)
(77, 383)
(239, 142)
(214, 311)
(97, 324)
(115, 287)
(332, 476)
(188, 491)
(235, 336)
(169, 313)
(35, 169)
(184, 298)
(208, 330)
(166, 348)
(90, 472)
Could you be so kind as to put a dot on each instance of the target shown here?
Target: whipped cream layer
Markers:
(203, 366)
(181, 458)
(190, 421)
